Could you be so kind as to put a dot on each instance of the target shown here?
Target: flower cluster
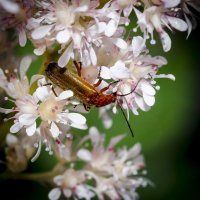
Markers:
(93, 56)
(106, 173)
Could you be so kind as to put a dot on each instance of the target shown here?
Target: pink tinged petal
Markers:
(54, 194)
(58, 179)
(15, 127)
(119, 71)
(31, 129)
(93, 56)
(11, 139)
(85, 155)
(170, 3)
(42, 93)
(138, 44)
(79, 126)
(120, 43)
(177, 23)
(54, 130)
(35, 78)
(169, 76)
(24, 65)
(127, 10)
(116, 140)
(105, 73)
(149, 100)
(77, 40)
(83, 193)
(77, 118)
(189, 24)
(6, 111)
(63, 36)
(138, 13)
(39, 51)
(64, 58)
(83, 6)
(94, 135)
(166, 41)
(67, 192)
(22, 38)
(140, 102)
(134, 151)
(111, 27)
(148, 89)
(10, 6)
(27, 119)
(41, 32)
(65, 95)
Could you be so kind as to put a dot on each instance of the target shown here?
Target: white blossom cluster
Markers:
(114, 62)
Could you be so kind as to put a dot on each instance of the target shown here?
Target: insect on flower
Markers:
(88, 94)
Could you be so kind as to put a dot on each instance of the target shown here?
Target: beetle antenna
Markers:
(129, 126)
(122, 95)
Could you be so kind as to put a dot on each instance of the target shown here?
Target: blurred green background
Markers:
(169, 132)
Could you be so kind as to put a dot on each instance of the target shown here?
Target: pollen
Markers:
(50, 109)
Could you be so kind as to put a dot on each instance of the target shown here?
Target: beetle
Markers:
(84, 91)
(88, 94)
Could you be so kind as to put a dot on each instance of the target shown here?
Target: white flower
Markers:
(15, 85)
(86, 29)
(116, 173)
(99, 158)
(158, 17)
(116, 72)
(46, 106)
(16, 17)
(71, 184)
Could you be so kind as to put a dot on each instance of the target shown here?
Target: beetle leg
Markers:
(98, 77)
(78, 67)
(107, 87)
(87, 108)
(51, 85)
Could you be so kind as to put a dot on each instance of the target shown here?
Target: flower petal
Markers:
(85, 155)
(77, 118)
(24, 65)
(54, 194)
(170, 3)
(42, 93)
(65, 95)
(41, 32)
(138, 44)
(64, 58)
(54, 130)
(27, 119)
(11, 139)
(166, 41)
(22, 38)
(149, 100)
(105, 73)
(15, 127)
(177, 23)
(63, 36)
(31, 129)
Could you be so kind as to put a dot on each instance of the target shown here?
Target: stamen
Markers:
(8, 99)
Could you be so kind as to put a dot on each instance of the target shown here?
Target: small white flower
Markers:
(17, 87)
(71, 184)
(158, 17)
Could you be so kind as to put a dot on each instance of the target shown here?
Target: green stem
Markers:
(39, 177)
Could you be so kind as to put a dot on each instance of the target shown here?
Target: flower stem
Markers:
(39, 177)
